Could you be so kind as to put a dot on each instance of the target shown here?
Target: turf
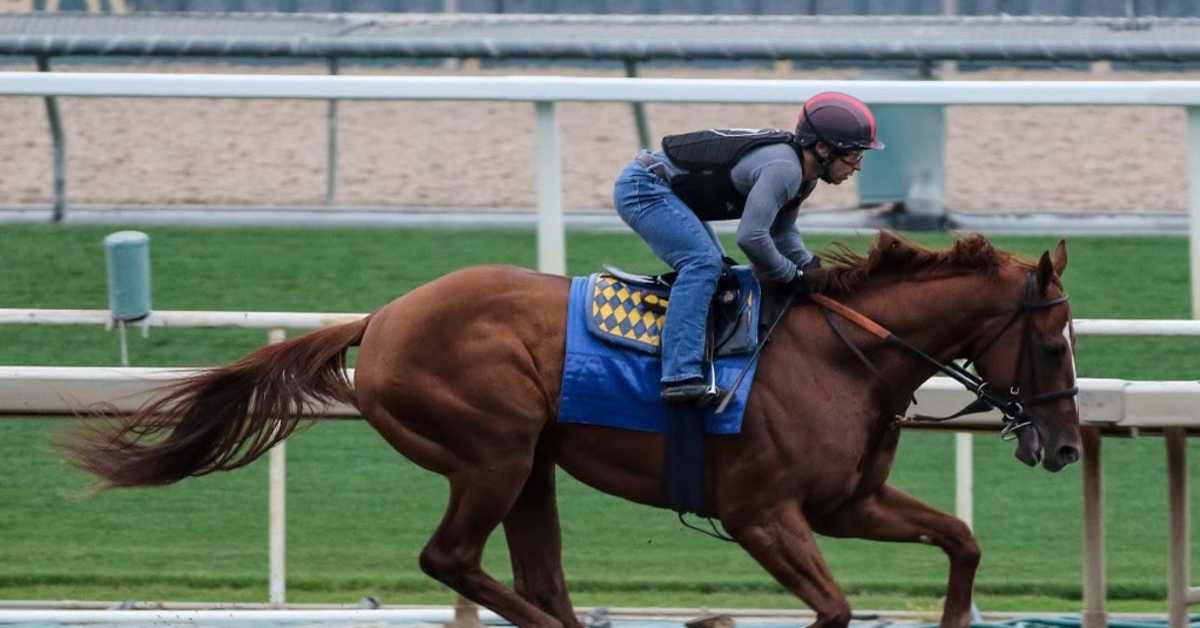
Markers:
(359, 514)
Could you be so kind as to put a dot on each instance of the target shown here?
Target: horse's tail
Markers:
(220, 419)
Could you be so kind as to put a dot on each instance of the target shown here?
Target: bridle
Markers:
(1022, 394)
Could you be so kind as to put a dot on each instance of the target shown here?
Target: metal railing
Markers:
(1173, 407)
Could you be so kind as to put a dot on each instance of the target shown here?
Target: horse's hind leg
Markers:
(783, 543)
(891, 515)
(535, 545)
(479, 500)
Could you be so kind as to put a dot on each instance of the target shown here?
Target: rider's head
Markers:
(837, 128)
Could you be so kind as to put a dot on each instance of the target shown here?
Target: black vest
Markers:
(709, 157)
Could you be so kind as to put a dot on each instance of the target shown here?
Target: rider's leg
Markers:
(679, 238)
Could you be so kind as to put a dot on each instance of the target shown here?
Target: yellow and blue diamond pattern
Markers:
(634, 314)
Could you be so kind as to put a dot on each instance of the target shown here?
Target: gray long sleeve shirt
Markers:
(769, 177)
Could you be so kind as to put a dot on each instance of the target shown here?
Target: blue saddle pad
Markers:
(608, 379)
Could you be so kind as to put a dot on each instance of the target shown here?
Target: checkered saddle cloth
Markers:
(632, 315)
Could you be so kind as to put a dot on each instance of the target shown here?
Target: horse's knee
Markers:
(961, 546)
(969, 554)
(444, 566)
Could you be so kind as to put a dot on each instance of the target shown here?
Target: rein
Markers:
(1010, 405)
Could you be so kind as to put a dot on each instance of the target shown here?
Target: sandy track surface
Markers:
(480, 154)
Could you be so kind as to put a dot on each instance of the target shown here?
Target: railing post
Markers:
(1193, 115)
(639, 109)
(54, 117)
(277, 512)
(964, 478)
(331, 150)
(1179, 591)
(1094, 593)
(1178, 580)
(550, 232)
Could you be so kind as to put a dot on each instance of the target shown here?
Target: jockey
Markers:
(760, 176)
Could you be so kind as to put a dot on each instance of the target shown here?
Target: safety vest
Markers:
(709, 157)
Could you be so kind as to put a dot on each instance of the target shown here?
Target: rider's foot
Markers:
(690, 391)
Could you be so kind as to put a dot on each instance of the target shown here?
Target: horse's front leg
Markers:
(892, 515)
(780, 539)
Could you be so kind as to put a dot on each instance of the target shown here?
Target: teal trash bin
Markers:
(912, 168)
(127, 258)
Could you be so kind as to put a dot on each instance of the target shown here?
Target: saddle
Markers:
(628, 309)
(611, 368)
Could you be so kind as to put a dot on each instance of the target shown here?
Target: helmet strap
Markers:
(823, 163)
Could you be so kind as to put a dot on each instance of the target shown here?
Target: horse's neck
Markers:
(941, 317)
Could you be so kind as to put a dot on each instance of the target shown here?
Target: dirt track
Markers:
(478, 154)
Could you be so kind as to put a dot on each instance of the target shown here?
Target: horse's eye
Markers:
(1055, 351)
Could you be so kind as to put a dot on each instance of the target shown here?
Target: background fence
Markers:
(1117, 8)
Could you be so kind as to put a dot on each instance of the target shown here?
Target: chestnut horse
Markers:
(462, 377)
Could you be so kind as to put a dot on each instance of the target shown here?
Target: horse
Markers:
(462, 375)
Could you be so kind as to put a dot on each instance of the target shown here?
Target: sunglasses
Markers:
(854, 157)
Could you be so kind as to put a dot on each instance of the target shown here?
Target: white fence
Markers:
(545, 92)
(1173, 407)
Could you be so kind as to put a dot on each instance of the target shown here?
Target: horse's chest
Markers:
(858, 465)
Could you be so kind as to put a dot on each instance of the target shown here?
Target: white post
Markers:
(552, 257)
(949, 67)
(1094, 588)
(964, 478)
(1194, 202)
(277, 514)
(1179, 589)
(124, 343)
(1178, 580)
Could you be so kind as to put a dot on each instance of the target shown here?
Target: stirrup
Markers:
(696, 392)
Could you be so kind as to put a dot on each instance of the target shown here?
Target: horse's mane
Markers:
(898, 257)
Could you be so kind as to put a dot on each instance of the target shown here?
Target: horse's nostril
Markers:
(1068, 454)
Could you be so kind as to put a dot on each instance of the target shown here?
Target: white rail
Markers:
(317, 320)
(584, 89)
(546, 91)
(64, 390)
(1174, 406)
(1171, 406)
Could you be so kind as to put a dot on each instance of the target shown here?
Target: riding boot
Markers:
(697, 391)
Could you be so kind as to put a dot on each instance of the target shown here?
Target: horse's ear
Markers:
(1060, 257)
(888, 238)
(1045, 272)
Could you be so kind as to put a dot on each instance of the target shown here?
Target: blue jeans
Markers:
(647, 204)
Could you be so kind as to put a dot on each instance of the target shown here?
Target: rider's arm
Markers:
(774, 183)
(787, 238)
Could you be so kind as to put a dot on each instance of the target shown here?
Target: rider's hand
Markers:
(799, 284)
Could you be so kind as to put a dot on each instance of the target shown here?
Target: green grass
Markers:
(359, 514)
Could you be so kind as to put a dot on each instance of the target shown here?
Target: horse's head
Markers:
(1030, 353)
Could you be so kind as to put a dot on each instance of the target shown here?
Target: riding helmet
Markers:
(838, 119)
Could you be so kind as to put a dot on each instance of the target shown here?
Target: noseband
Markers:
(1014, 404)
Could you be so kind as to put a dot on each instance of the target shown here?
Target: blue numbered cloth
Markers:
(612, 367)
